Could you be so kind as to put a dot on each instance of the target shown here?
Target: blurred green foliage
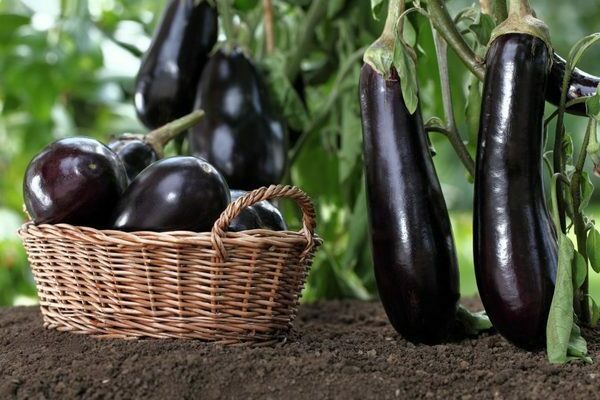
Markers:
(67, 68)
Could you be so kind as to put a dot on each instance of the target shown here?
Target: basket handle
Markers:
(266, 193)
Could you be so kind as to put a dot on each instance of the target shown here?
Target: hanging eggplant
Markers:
(240, 135)
(171, 69)
(416, 269)
(515, 246)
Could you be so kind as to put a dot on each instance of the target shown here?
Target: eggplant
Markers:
(171, 69)
(261, 215)
(241, 134)
(515, 247)
(173, 194)
(76, 181)
(581, 84)
(139, 151)
(416, 268)
(136, 153)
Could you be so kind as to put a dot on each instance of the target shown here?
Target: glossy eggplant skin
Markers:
(171, 69)
(76, 181)
(240, 133)
(136, 154)
(413, 249)
(581, 84)
(176, 193)
(262, 215)
(515, 248)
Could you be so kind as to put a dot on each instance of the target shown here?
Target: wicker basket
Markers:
(219, 286)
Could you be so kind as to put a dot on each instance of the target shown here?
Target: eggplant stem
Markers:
(224, 8)
(579, 224)
(441, 51)
(268, 21)
(159, 137)
(442, 22)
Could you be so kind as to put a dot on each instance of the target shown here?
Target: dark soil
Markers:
(341, 350)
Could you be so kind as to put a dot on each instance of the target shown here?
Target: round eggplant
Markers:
(135, 153)
(515, 246)
(240, 134)
(262, 215)
(171, 69)
(76, 181)
(176, 193)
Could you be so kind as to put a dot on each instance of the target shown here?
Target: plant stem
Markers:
(499, 10)
(441, 51)
(579, 225)
(444, 24)
(316, 12)
(268, 21)
(224, 8)
(320, 118)
(558, 159)
(159, 137)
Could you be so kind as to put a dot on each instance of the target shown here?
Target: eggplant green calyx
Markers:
(380, 55)
(521, 19)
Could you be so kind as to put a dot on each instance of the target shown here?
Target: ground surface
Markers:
(344, 350)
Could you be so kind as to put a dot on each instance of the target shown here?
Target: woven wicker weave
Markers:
(219, 286)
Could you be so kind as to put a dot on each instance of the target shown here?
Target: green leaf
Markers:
(577, 347)
(592, 105)
(587, 188)
(560, 318)
(483, 28)
(580, 48)
(407, 71)
(376, 7)
(473, 322)
(245, 5)
(579, 270)
(567, 148)
(409, 33)
(593, 249)
(287, 98)
(595, 311)
(334, 7)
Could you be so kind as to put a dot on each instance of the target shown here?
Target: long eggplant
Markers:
(170, 71)
(413, 248)
(514, 242)
(581, 84)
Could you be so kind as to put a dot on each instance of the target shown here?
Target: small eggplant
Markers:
(581, 84)
(241, 134)
(176, 193)
(76, 181)
(262, 215)
(135, 152)
(139, 151)
(171, 69)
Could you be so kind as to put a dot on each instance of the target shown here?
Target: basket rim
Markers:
(30, 229)
(216, 238)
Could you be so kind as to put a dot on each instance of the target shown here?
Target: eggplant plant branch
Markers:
(579, 223)
(443, 23)
(268, 23)
(452, 131)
